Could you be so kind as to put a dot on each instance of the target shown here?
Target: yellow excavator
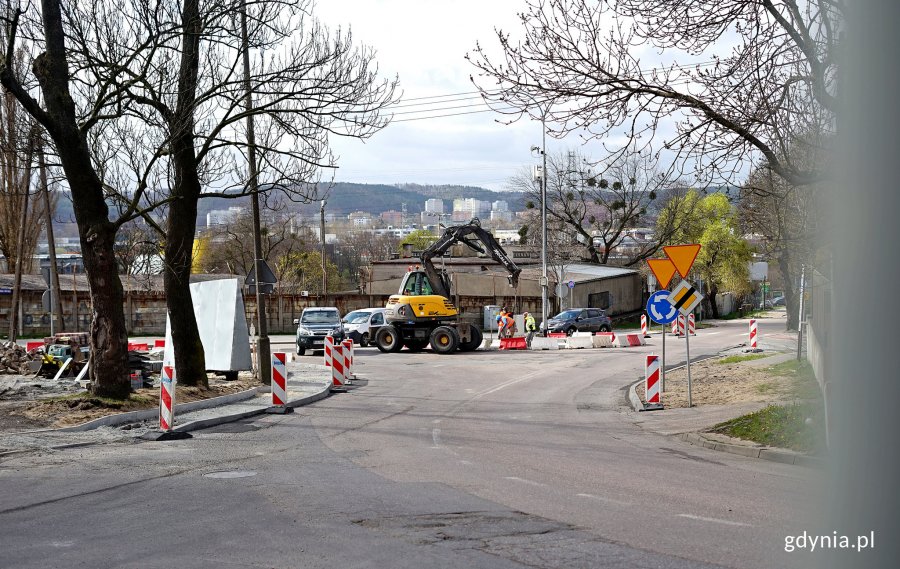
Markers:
(422, 313)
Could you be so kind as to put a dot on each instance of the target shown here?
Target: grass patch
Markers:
(88, 401)
(736, 359)
(799, 427)
(802, 379)
(764, 388)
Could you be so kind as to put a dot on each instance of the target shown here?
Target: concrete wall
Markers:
(627, 293)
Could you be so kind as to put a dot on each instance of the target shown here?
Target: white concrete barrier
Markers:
(575, 342)
(582, 334)
(629, 340)
(540, 343)
(602, 341)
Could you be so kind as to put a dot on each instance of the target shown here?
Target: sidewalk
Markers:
(689, 424)
(306, 384)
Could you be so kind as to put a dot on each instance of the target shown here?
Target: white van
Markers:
(361, 325)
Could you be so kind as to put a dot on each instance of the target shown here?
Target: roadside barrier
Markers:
(681, 325)
(328, 347)
(338, 378)
(692, 325)
(513, 343)
(629, 340)
(557, 335)
(675, 327)
(644, 326)
(540, 343)
(348, 358)
(753, 335)
(577, 341)
(610, 335)
(603, 340)
(651, 381)
(159, 343)
(279, 379)
(167, 399)
(582, 334)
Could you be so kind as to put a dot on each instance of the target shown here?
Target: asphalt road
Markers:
(489, 459)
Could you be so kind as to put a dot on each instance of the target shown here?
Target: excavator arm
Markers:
(476, 238)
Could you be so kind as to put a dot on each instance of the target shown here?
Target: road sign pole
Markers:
(687, 350)
(662, 362)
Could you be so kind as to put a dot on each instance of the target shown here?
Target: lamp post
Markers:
(324, 266)
(544, 280)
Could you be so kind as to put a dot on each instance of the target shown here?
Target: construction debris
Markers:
(14, 359)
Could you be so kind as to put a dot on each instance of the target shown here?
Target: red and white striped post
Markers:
(279, 379)
(348, 359)
(681, 325)
(167, 399)
(753, 335)
(675, 327)
(692, 325)
(651, 382)
(644, 331)
(329, 346)
(338, 374)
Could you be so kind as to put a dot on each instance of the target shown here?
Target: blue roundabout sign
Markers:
(660, 309)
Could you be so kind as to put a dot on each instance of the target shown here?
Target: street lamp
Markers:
(544, 280)
(322, 230)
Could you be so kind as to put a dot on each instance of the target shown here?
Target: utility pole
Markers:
(324, 266)
(56, 318)
(263, 355)
(544, 282)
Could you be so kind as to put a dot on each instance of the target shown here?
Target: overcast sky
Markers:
(424, 42)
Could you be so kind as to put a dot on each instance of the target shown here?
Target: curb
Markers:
(324, 392)
(761, 452)
(143, 415)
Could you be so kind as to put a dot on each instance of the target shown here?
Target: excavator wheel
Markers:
(444, 340)
(474, 343)
(388, 339)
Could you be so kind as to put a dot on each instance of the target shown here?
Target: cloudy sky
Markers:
(424, 42)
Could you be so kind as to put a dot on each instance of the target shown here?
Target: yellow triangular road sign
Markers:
(663, 270)
(682, 257)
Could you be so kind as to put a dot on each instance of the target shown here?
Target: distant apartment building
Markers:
(392, 217)
(500, 205)
(465, 209)
(223, 216)
(501, 215)
(434, 205)
(360, 218)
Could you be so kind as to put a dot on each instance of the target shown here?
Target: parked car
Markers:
(580, 320)
(777, 301)
(361, 325)
(314, 324)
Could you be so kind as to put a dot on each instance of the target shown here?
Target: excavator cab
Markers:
(416, 283)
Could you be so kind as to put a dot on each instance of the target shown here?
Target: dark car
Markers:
(580, 320)
(314, 324)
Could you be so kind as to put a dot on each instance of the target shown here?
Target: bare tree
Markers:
(57, 114)
(788, 219)
(171, 74)
(599, 209)
(742, 77)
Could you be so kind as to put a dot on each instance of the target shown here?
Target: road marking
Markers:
(436, 437)
(602, 499)
(713, 520)
(711, 333)
(524, 481)
(436, 421)
(508, 383)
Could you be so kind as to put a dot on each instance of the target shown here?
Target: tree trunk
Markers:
(190, 360)
(109, 357)
(790, 296)
(711, 293)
